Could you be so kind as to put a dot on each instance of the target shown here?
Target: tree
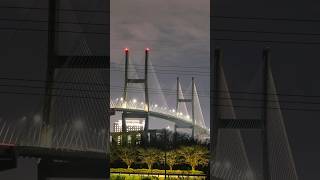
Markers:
(149, 156)
(127, 155)
(194, 155)
(113, 153)
(172, 158)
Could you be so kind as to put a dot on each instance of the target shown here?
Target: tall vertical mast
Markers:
(266, 68)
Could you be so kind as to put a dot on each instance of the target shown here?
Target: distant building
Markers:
(134, 129)
(132, 125)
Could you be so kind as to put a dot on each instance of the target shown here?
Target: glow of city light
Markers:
(37, 118)
(78, 124)
(146, 108)
(134, 101)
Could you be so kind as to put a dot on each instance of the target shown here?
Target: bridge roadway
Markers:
(57, 163)
(181, 123)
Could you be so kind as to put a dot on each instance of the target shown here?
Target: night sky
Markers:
(178, 33)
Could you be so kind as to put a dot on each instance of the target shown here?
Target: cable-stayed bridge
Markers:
(230, 144)
(181, 116)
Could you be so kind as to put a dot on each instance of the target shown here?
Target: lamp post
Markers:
(165, 153)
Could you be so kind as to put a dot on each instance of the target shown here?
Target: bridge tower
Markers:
(128, 114)
(184, 100)
(57, 61)
(218, 123)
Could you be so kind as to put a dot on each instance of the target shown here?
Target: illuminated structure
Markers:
(132, 125)
(134, 128)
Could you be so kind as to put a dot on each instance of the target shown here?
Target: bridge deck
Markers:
(52, 153)
(181, 123)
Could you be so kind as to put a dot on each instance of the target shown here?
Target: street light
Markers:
(165, 152)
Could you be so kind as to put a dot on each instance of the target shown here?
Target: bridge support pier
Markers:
(124, 135)
(142, 115)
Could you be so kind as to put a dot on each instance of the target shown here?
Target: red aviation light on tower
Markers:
(147, 49)
(126, 49)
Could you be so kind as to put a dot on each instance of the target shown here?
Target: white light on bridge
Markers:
(146, 107)
(156, 105)
(124, 104)
(134, 101)
(121, 99)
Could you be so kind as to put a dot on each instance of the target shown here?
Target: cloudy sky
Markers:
(177, 32)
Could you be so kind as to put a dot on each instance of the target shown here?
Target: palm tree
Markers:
(149, 156)
(127, 155)
(194, 155)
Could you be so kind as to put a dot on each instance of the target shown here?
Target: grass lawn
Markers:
(138, 177)
(154, 171)
(155, 174)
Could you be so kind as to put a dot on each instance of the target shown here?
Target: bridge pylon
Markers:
(185, 100)
(56, 61)
(226, 139)
(127, 114)
(218, 123)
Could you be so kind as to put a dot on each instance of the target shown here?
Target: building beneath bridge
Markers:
(132, 125)
(134, 131)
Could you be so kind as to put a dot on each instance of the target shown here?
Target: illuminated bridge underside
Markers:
(181, 123)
